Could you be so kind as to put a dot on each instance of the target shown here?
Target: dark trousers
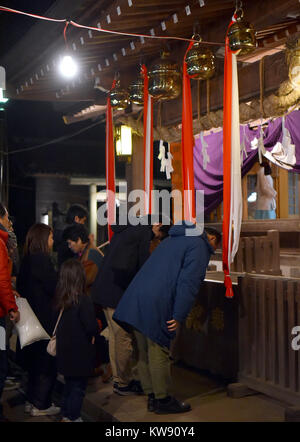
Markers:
(73, 396)
(39, 389)
(42, 372)
(3, 362)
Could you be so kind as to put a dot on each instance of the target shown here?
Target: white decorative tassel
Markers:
(166, 163)
(283, 153)
(288, 147)
(205, 155)
(162, 156)
(169, 167)
(260, 145)
(243, 145)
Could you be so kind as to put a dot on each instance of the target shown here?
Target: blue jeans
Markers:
(265, 214)
(3, 365)
(73, 396)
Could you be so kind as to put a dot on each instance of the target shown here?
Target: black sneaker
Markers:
(171, 406)
(115, 387)
(134, 387)
(151, 402)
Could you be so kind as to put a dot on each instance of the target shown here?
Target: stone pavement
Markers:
(207, 396)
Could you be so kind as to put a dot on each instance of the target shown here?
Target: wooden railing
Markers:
(269, 310)
(258, 254)
(289, 229)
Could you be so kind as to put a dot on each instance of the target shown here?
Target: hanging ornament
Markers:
(165, 162)
(200, 61)
(164, 78)
(169, 166)
(260, 145)
(119, 97)
(110, 165)
(241, 34)
(162, 156)
(136, 90)
(288, 146)
(148, 144)
(205, 155)
(283, 154)
(243, 145)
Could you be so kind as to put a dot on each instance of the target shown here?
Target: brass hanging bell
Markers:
(242, 35)
(164, 78)
(136, 90)
(200, 61)
(119, 97)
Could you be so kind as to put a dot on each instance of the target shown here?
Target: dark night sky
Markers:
(33, 123)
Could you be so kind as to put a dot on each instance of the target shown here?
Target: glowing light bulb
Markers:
(68, 68)
(2, 98)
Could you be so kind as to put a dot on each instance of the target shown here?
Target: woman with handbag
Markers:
(37, 283)
(75, 337)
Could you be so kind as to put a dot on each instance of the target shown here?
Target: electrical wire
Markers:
(40, 17)
(57, 140)
(77, 25)
(65, 34)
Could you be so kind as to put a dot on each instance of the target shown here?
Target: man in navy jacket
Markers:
(128, 250)
(158, 299)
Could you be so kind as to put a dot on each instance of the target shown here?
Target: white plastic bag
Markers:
(29, 328)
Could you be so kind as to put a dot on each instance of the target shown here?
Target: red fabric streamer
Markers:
(148, 144)
(110, 166)
(227, 107)
(187, 146)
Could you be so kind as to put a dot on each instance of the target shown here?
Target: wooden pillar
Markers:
(245, 197)
(135, 170)
(283, 193)
(137, 163)
(93, 210)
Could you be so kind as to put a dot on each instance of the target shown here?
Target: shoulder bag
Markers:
(51, 347)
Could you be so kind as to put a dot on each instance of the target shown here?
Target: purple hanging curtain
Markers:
(210, 179)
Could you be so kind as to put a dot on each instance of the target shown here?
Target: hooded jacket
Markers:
(166, 286)
(7, 299)
(128, 250)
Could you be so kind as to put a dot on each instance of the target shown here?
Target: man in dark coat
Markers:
(128, 250)
(158, 299)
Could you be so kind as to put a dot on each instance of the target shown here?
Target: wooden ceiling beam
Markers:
(91, 54)
(172, 29)
(139, 47)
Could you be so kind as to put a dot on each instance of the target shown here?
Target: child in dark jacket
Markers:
(75, 337)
